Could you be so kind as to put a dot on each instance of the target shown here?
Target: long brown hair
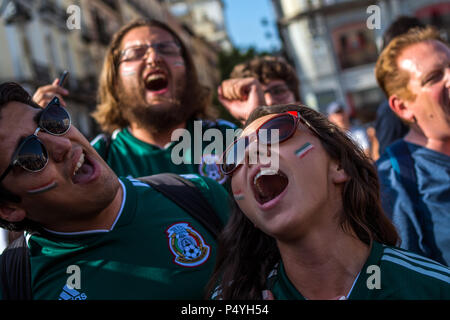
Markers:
(246, 255)
(109, 114)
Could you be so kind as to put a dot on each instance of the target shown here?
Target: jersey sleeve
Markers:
(99, 144)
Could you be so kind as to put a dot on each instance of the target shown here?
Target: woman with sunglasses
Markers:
(312, 227)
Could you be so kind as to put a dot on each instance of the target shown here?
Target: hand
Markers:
(45, 94)
(241, 96)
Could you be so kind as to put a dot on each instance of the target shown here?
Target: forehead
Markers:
(423, 56)
(256, 123)
(16, 120)
(146, 34)
(273, 83)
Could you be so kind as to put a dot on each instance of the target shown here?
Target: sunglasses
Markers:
(285, 123)
(31, 154)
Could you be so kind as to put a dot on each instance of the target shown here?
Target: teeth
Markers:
(264, 172)
(155, 76)
(79, 164)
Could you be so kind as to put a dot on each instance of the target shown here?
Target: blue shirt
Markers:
(419, 209)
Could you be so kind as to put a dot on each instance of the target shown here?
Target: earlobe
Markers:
(12, 213)
(338, 173)
(400, 108)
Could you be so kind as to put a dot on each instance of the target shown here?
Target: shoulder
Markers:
(414, 274)
(218, 124)
(102, 140)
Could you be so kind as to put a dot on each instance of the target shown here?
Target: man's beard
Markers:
(157, 116)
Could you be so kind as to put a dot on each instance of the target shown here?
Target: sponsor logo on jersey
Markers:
(209, 168)
(69, 293)
(187, 245)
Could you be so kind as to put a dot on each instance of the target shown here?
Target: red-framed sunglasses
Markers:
(286, 123)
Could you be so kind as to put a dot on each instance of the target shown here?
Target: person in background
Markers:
(266, 80)
(148, 89)
(314, 228)
(414, 73)
(388, 127)
(339, 115)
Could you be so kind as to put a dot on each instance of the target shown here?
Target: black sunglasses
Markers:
(285, 123)
(31, 153)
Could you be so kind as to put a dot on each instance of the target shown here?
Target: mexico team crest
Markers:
(187, 245)
(209, 168)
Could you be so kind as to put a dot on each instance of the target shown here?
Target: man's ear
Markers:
(401, 108)
(338, 174)
(12, 213)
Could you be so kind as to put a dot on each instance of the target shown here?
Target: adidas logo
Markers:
(71, 294)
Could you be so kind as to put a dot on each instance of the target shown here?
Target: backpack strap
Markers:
(403, 164)
(15, 271)
(186, 195)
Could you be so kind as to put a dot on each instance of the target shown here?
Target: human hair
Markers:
(246, 255)
(109, 114)
(268, 68)
(400, 26)
(390, 77)
(11, 91)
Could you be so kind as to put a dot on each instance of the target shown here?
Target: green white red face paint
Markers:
(303, 150)
(178, 64)
(238, 195)
(42, 189)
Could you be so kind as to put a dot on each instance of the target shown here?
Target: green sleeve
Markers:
(99, 144)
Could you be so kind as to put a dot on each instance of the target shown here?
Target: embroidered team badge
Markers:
(187, 245)
(209, 168)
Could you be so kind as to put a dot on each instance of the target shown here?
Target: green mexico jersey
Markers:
(389, 273)
(154, 250)
(197, 151)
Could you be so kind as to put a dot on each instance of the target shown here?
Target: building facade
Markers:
(41, 38)
(334, 45)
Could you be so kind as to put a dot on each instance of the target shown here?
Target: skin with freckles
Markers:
(428, 66)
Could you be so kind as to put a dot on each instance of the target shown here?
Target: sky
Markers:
(243, 21)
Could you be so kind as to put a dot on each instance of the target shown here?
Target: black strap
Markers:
(15, 271)
(186, 195)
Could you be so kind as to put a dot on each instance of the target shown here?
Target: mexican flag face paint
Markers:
(303, 150)
(238, 195)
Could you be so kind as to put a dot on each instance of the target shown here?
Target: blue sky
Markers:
(243, 21)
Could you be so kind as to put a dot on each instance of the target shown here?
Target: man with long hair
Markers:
(148, 89)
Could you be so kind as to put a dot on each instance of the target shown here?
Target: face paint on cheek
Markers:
(42, 189)
(303, 150)
(238, 195)
(127, 72)
(178, 64)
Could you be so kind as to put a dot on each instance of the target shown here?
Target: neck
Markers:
(438, 145)
(103, 220)
(159, 139)
(324, 267)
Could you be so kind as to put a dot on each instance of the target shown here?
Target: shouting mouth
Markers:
(156, 82)
(268, 184)
(83, 171)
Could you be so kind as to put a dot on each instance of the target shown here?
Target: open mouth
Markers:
(156, 82)
(83, 170)
(268, 184)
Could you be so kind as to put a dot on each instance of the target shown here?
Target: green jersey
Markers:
(154, 250)
(197, 151)
(389, 273)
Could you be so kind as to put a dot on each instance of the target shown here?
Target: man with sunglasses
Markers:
(90, 234)
(148, 89)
